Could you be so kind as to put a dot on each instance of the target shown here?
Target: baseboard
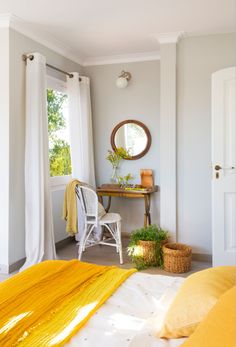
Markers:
(17, 265)
(65, 242)
(125, 235)
(7, 269)
(202, 257)
(4, 269)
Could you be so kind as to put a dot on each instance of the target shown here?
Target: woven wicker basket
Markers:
(177, 257)
(148, 252)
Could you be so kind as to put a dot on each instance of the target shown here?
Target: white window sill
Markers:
(59, 182)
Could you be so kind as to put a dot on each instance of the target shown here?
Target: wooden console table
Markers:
(114, 190)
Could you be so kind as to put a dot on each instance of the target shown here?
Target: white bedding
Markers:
(130, 315)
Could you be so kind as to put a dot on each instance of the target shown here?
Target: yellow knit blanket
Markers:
(48, 303)
(70, 208)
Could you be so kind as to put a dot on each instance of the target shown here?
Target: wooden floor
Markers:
(106, 255)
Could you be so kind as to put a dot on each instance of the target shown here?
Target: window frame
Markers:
(57, 182)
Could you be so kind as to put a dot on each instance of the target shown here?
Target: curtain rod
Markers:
(31, 57)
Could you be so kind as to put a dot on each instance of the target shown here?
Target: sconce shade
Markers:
(121, 82)
(123, 79)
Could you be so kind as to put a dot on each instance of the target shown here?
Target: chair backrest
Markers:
(89, 202)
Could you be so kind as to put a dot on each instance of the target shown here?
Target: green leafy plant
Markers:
(114, 157)
(123, 181)
(151, 233)
(59, 149)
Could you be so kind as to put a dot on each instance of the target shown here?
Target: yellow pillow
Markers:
(218, 328)
(195, 298)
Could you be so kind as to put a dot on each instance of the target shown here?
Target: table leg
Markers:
(147, 215)
(108, 204)
(100, 199)
(145, 221)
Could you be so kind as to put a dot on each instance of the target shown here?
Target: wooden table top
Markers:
(115, 188)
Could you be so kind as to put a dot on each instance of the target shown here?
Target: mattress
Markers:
(130, 317)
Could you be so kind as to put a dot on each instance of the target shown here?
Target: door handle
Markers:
(218, 167)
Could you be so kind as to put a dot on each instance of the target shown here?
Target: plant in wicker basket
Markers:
(145, 247)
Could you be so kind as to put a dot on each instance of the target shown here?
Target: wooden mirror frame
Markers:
(143, 126)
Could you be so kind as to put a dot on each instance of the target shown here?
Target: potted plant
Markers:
(145, 247)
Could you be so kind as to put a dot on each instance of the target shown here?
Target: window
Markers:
(58, 130)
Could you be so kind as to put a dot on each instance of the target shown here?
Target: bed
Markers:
(130, 316)
(126, 316)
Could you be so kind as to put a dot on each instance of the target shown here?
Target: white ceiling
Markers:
(98, 28)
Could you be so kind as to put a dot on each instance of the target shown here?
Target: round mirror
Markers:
(133, 136)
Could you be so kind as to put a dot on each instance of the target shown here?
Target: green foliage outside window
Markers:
(59, 149)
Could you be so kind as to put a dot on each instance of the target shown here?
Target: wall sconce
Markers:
(123, 79)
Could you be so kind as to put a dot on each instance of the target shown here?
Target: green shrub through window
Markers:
(58, 132)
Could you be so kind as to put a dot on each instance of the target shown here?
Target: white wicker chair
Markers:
(111, 221)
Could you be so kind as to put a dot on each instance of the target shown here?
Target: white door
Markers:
(224, 167)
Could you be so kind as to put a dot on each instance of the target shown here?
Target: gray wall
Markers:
(198, 58)
(110, 105)
(20, 44)
(4, 147)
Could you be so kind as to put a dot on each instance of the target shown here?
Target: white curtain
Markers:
(81, 136)
(39, 242)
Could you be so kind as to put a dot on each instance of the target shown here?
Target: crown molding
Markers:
(122, 58)
(7, 20)
(172, 37)
(209, 33)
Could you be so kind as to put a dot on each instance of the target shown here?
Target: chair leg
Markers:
(81, 243)
(119, 241)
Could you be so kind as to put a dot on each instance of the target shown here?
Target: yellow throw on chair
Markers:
(70, 208)
(48, 303)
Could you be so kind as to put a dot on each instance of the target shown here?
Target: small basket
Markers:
(177, 257)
